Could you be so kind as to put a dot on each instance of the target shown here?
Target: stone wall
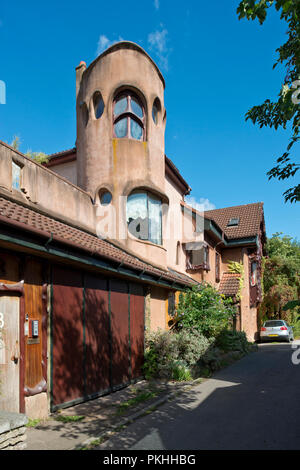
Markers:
(12, 431)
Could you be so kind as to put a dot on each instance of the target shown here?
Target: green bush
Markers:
(205, 309)
(169, 355)
(229, 340)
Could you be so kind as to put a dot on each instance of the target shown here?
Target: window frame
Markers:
(205, 265)
(129, 114)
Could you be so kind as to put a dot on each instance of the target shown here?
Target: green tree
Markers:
(39, 157)
(281, 278)
(286, 110)
(203, 308)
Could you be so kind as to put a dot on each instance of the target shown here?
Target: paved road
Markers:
(253, 404)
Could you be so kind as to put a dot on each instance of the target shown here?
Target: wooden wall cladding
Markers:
(33, 281)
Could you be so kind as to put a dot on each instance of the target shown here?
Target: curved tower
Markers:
(120, 146)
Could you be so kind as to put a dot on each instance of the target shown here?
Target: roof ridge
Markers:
(259, 203)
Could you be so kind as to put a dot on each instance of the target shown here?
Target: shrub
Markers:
(170, 354)
(229, 340)
(205, 309)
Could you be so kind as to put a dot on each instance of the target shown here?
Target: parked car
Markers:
(273, 330)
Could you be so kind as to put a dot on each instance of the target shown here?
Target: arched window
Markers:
(128, 116)
(144, 216)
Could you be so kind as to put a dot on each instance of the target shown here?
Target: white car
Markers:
(273, 330)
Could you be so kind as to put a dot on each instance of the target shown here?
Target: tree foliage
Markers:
(286, 110)
(205, 309)
(39, 157)
(281, 278)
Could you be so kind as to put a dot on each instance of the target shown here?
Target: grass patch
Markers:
(33, 422)
(140, 398)
(69, 419)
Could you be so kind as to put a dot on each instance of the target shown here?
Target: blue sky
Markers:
(215, 67)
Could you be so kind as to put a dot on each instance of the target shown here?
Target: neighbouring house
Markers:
(96, 243)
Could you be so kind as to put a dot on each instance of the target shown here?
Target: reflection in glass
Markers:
(135, 130)
(120, 106)
(121, 128)
(136, 108)
(144, 217)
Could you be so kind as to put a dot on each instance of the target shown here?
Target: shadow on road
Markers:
(252, 404)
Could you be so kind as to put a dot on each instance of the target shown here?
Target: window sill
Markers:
(203, 267)
(146, 242)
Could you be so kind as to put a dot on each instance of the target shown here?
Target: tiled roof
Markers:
(28, 219)
(249, 215)
(229, 284)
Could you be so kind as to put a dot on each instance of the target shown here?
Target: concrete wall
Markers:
(43, 189)
(12, 431)
(66, 170)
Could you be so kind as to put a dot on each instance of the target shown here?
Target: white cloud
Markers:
(104, 43)
(203, 204)
(156, 4)
(157, 41)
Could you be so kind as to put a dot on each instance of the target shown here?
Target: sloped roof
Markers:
(229, 284)
(24, 218)
(249, 215)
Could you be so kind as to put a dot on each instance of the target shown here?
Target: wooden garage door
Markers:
(97, 335)
(67, 336)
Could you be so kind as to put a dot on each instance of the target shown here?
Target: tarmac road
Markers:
(253, 404)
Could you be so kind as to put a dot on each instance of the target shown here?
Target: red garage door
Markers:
(67, 336)
(97, 335)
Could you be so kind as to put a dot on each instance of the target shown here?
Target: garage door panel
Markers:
(97, 335)
(67, 336)
(136, 329)
(119, 332)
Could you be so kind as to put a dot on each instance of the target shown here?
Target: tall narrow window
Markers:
(253, 277)
(128, 117)
(16, 176)
(218, 267)
(144, 216)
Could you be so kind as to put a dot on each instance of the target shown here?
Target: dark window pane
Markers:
(121, 128)
(155, 114)
(136, 108)
(98, 105)
(136, 130)
(120, 106)
(105, 198)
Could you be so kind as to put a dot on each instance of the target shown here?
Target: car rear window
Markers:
(274, 323)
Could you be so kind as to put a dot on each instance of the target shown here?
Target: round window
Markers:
(105, 198)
